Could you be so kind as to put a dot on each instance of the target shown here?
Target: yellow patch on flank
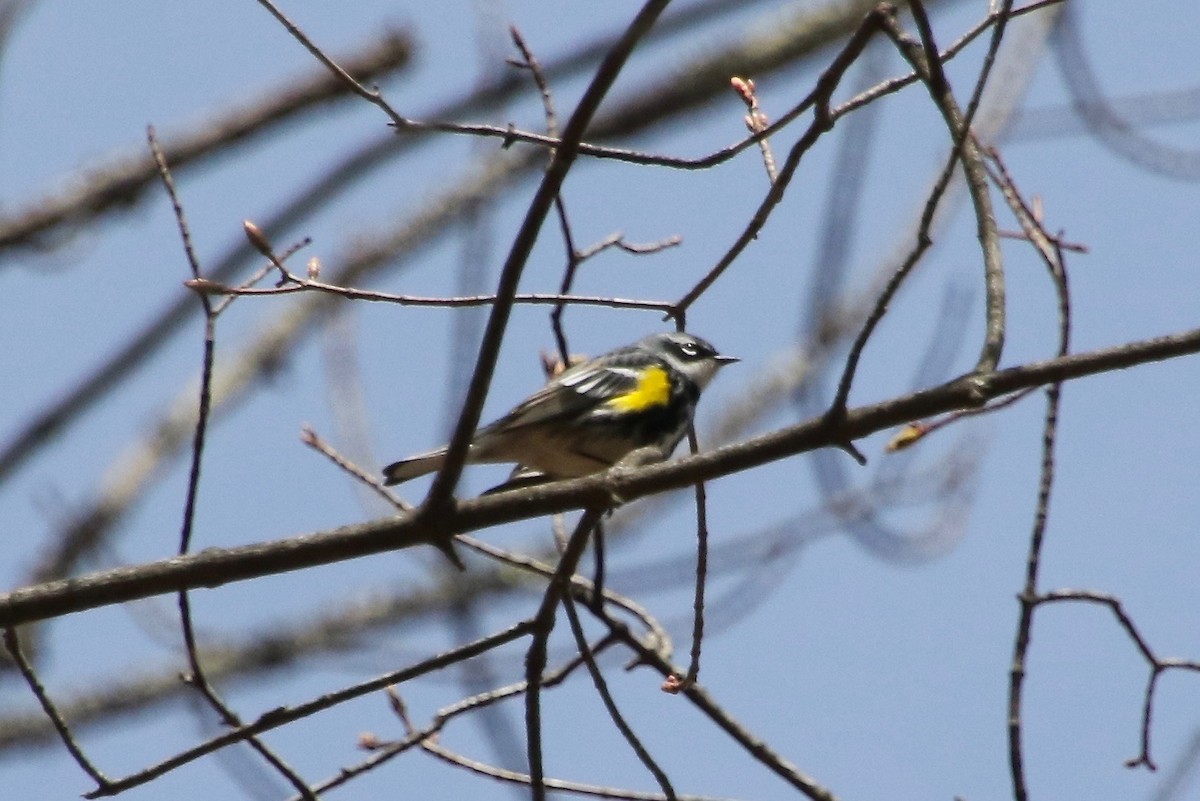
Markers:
(653, 389)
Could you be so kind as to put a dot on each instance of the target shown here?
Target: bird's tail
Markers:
(413, 466)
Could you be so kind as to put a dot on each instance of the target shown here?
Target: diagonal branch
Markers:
(216, 566)
(564, 156)
(281, 715)
(118, 184)
(12, 644)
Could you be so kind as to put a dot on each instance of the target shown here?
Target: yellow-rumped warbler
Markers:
(591, 416)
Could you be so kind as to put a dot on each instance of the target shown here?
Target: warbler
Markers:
(594, 414)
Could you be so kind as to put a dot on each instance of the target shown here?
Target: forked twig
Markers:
(197, 677)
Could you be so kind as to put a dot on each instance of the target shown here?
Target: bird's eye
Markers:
(689, 348)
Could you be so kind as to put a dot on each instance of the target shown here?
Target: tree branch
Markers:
(214, 567)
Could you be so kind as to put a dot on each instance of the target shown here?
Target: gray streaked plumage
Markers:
(590, 416)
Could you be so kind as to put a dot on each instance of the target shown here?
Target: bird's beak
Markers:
(723, 360)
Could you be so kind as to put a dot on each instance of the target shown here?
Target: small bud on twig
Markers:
(206, 287)
(744, 87)
(399, 708)
(909, 435)
(675, 684)
(258, 240)
(756, 121)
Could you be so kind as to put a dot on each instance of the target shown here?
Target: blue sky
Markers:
(881, 678)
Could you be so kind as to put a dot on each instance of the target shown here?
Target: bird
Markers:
(592, 415)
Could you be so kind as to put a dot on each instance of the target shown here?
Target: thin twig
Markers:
(701, 494)
(916, 431)
(310, 438)
(281, 716)
(1157, 665)
(599, 567)
(560, 206)
(535, 657)
(383, 752)
(581, 589)
(967, 150)
(509, 134)
(1054, 260)
(13, 645)
(557, 785)
(700, 698)
(756, 122)
(606, 698)
(939, 90)
(197, 678)
(819, 100)
(207, 287)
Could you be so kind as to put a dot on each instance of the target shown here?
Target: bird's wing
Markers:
(573, 392)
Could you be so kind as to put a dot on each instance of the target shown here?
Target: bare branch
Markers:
(216, 566)
(13, 645)
(119, 184)
(198, 679)
(282, 715)
(1157, 665)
